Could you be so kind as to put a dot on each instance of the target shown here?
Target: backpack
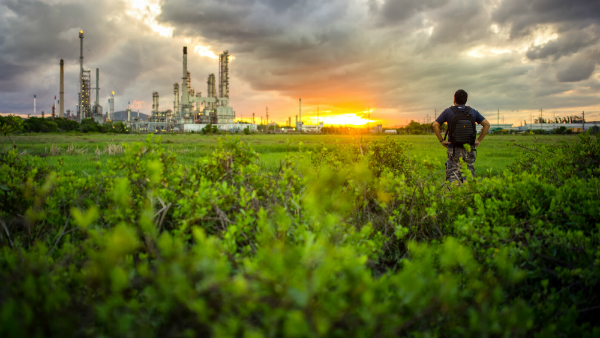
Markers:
(462, 128)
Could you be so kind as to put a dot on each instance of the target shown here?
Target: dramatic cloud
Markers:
(403, 58)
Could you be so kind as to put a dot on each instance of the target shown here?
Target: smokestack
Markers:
(185, 99)
(128, 111)
(61, 111)
(97, 86)
(34, 106)
(253, 122)
(54, 108)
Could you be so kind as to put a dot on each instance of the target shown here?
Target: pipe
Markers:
(61, 111)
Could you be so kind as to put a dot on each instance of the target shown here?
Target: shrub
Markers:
(363, 243)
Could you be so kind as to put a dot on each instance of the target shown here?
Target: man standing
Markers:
(458, 117)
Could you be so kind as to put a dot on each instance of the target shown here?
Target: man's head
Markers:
(460, 97)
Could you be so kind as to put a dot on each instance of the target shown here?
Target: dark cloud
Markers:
(523, 16)
(396, 11)
(575, 69)
(568, 43)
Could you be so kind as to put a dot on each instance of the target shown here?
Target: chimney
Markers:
(97, 86)
(61, 111)
(185, 100)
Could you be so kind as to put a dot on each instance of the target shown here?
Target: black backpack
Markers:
(462, 128)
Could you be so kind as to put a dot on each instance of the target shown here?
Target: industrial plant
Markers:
(191, 111)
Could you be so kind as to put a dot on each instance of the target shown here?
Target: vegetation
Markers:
(354, 239)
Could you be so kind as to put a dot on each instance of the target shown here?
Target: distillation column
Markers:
(176, 100)
(211, 89)
(155, 103)
(111, 106)
(224, 75)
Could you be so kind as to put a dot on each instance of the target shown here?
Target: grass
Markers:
(494, 155)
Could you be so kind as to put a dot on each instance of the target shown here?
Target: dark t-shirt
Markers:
(448, 114)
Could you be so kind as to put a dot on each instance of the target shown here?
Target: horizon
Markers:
(401, 60)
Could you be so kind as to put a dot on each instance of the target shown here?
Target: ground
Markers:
(494, 155)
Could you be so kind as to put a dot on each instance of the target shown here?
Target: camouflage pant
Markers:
(453, 166)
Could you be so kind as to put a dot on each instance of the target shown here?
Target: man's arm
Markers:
(438, 133)
(484, 131)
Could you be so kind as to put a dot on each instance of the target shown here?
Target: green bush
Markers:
(361, 243)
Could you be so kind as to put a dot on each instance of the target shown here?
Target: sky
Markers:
(401, 60)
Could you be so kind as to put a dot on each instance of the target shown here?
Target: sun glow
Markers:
(339, 119)
(205, 51)
(147, 11)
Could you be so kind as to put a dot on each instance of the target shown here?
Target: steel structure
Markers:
(85, 109)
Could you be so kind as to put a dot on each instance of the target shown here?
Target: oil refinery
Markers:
(191, 111)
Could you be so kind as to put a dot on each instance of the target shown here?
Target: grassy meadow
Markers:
(87, 153)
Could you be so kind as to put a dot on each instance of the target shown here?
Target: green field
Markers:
(494, 154)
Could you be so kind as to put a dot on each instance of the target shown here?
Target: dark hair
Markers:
(460, 96)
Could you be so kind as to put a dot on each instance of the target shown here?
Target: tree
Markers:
(10, 124)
